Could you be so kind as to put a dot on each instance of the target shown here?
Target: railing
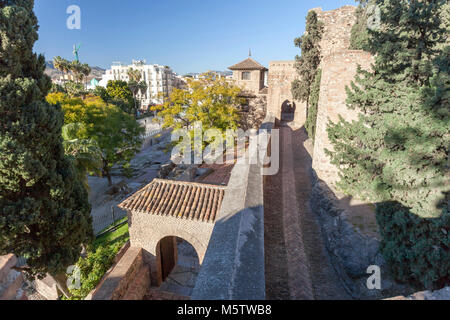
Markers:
(152, 133)
(103, 221)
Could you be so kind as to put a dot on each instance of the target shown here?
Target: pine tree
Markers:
(397, 151)
(45, 214)
(308, 63)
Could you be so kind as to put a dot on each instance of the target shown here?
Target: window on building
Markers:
(246, 75)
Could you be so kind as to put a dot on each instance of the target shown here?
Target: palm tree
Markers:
(61, 64)
(136, 85)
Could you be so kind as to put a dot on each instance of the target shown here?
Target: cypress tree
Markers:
(360, 34)
(311, 120)
(45, 214)
(397, 152)
(307, 64)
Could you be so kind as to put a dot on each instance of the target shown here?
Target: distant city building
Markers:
(63, 79)
(94, 83)
(160, 80)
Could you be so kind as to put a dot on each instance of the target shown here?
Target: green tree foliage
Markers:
(61, 64)
(211, 100)
(79, 70)
(75, 89)
(398, 149)
(118, 134)
(85, 153)
(45, 213)
(307, 64)
(311, 120)
(120, 94)
(57, 88)
(101, 92)
(359, 39)
(417, 249)
(99, 259)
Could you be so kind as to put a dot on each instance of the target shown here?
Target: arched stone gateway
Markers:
(177, 265)
(164, 210)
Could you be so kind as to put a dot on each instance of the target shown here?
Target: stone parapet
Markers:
(233, 268)
(128, 279)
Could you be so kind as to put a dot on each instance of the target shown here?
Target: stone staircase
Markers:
(11, 281)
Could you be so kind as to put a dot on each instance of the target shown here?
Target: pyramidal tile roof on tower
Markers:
(248, 64)
(182, 200)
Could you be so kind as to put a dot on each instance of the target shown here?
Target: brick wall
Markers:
(338, 71)
(128, 279)
(254, 85)
(338, 25)
(147, 230)
(281, 75)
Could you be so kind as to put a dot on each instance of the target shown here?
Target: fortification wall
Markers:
(281, 75)
(338, 25)
(339, 65)
(338, 71)
(337, 30)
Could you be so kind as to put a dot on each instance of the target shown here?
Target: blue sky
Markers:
(188, 35)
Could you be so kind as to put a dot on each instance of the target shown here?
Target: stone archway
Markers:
(167, 255)
(288, 109)
(169, 209)
(177, 264)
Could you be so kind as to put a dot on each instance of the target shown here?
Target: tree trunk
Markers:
(108, 175)
(61, 282)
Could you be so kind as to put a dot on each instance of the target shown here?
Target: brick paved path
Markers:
(297, 262)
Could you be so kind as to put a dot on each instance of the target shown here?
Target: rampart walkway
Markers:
(297, 264)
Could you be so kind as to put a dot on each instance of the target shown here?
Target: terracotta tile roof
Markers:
(248, 64)
(183, 200)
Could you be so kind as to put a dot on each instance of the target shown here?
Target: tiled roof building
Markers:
(248, 64)
(183, 200)
(250, 75)
(165, 210)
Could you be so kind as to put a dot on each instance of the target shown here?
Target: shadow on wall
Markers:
(329, 233)
(412, 252)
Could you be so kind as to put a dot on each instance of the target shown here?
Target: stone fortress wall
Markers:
(338, 71)
(339, 65)
(338, 25)
(281, 75)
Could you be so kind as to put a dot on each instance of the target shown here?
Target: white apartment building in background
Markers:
(159, 79)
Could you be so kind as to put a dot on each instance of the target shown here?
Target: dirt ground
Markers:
(145, 167)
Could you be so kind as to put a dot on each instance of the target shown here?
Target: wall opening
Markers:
(178, 266)
(288, 109)
(246, 75)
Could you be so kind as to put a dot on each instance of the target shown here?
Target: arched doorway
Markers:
(288, 109)
(178, 265)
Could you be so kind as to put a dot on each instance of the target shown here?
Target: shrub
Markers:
(417, 249)
(99, 259)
